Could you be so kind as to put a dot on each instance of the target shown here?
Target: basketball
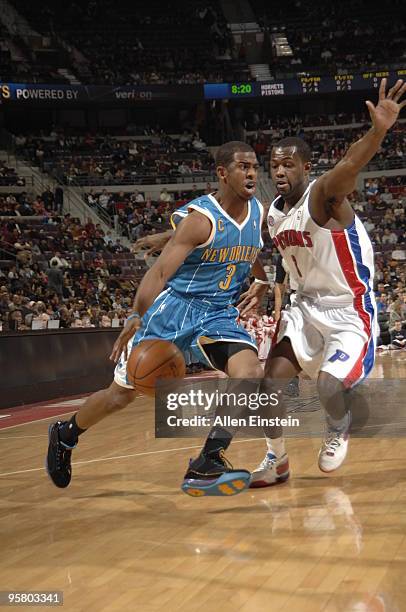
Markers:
(152, 360)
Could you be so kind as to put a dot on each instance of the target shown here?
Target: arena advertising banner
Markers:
(55, 94)
(35, 93)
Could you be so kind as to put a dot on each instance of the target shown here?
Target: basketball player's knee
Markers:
(117, 400)
(254, 371)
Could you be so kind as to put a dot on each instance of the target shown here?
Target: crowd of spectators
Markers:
(255, 118)
(382, 207)
(133, 214)
(329, 145)
(53, 268)
(128, 44)
(334, 38)
(89, 159)
(116, 42)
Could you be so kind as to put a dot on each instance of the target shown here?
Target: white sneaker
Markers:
(270, 472)
(333, 451)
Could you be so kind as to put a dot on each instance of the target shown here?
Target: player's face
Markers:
(289, 172)
(241, 175)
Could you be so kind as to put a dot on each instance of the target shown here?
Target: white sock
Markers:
(276, 446)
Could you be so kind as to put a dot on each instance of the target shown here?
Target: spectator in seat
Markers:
(369, 225)
(55, 279)
(382, 303)
(398, 336)
(77, 323)
(48, 198)
(16, 321)
(104, 199)
(395, 313)
(105, 320)
(164, 196)
(399, 254)
(389, 237)
(114, 268)
(24, 255)
(380, 206)
(58, 199)
(40, 311)
(137, 197)
(61, 262)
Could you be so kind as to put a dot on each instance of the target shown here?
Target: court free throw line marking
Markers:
(165, 450)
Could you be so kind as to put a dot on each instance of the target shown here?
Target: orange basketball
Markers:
(153, 359)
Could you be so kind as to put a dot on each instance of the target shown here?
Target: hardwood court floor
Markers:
(123, 537)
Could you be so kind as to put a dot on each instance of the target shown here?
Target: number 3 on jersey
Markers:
(230, 271)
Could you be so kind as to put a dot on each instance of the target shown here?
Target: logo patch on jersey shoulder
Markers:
(254, 223)
(271, 221)
(220, 225)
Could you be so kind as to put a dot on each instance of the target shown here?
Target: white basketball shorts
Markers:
(339, 340)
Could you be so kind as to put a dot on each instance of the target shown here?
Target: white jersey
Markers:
(333, 267)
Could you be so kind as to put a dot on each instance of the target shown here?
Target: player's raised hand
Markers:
(121, 344)
(386, 112)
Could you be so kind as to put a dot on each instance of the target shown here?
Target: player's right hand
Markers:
(153, 243)
(121, 344)
(386, 112)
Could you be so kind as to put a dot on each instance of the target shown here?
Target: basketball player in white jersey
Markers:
(329, 330)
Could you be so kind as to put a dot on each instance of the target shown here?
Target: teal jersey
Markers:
(215, 271)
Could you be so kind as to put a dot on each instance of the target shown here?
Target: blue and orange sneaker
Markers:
(212, 474)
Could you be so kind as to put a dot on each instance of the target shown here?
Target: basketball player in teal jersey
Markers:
(188, 297)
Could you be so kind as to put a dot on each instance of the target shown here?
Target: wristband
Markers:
(261, 282)
(133, 316)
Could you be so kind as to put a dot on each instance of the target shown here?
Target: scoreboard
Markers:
(300, 85)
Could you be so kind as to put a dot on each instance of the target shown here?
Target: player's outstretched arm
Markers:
(280, 287)
(333, 186)
(153, 243)
(192, 231)
(279, 292)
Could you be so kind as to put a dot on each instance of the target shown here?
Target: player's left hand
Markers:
(121, 344)
(386, 112)
(251, 299)
(152, 244)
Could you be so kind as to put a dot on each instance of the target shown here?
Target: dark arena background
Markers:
(111, 113)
